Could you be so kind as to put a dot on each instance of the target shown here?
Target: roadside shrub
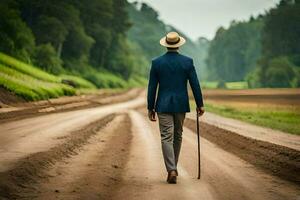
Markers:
(280, 73)
(221, 84)
(46, 58)
(80, 82)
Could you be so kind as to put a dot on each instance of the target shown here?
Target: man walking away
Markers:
(170, 73)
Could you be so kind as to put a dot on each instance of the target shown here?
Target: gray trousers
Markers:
(170, 125)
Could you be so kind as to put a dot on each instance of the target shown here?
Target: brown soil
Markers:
(64, 104)
(96, 171)
(7, 97)
(119, 157)
(268, 96)
(27, 171)
(274, 159)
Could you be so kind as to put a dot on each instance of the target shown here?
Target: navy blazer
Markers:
(170, 73)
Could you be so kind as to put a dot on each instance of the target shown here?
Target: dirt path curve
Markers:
(123, 160)
(21, 138)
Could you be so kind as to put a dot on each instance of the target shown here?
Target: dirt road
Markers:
(114, 152)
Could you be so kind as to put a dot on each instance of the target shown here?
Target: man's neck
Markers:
(173, 50)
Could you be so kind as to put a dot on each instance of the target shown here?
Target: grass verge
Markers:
(30, 88)
(286, 119)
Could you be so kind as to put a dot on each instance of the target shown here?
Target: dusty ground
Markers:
(19, 109)
(284, 97)
(114, 152)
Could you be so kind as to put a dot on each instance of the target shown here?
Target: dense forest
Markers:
(72, 37)
(264, 51)
(108, 42)
(111, 42)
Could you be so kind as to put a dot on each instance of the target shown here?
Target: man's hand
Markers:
(151, 115)
(200, 111)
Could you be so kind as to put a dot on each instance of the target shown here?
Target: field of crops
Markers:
(274, 108)
(32, 83)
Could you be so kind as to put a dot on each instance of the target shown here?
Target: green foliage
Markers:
(49, 29)
(77, 44)
(100, 40)
(31, 88)
(27, 69)
(237, 85)
(105, 79)
(234, 51)
(144, 20)
(72, 37)
(137, 81)
(15, 36)
(221, 84)
(34, 84)
(120, 58)
(46, 57)
(281, 33)
(263, 51)
(209, 84)
(253, 78)
(295, 83)
(279, 73)
(281, 50)
(80, 82)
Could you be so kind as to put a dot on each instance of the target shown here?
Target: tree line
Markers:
(71, 36)
(264, 51)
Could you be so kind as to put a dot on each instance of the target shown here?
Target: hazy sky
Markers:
(203, 17)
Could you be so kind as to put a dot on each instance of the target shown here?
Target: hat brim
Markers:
(165, 44)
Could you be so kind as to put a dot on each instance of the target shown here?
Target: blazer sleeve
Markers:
(195, 85)
(152, 87)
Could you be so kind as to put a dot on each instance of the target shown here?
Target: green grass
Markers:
(80, 82)
(31, 88)
(284, 119)
(236, 85)
(137, 82)
(228, 85)
(32, 83)
(106, 79)
(27, 69)
(209, 84)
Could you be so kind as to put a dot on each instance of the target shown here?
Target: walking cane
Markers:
(198, 135)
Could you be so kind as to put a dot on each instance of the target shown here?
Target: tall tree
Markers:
(234, 51)
(16, 38)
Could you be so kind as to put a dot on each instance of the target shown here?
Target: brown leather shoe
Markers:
(172, 177)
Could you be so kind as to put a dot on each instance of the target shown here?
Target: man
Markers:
(171, 72)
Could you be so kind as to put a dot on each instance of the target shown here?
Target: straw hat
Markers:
(172, 40)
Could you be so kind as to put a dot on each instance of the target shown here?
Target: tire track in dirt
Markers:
(29, 170)
(273, 159)
(95, 172)
(145, 174)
